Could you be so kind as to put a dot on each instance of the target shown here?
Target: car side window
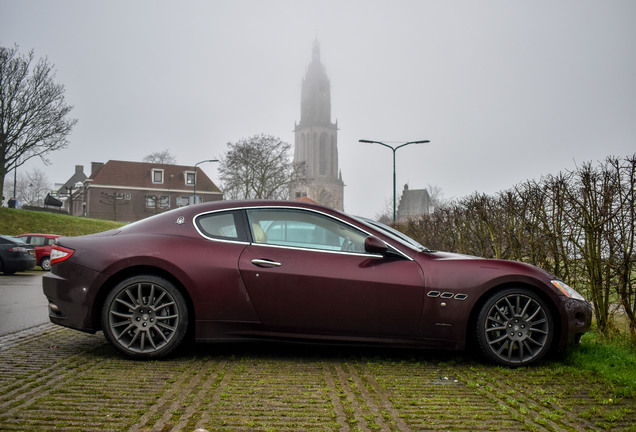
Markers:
(222, 225)
(304, 229)
(36, 240)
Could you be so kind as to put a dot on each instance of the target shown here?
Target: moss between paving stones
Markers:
(61, 379)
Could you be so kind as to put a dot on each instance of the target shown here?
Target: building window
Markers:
(157, 176)
(183, 201)
(189, 178)
(303, 148)
(151, 201)
(322, 155)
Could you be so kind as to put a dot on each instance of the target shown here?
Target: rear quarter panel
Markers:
(207, 271)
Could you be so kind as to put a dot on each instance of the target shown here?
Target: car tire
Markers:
(45, 263)
(5, 271)
(145, 317)
(515, 327)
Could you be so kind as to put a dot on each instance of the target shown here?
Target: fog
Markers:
(505, 90)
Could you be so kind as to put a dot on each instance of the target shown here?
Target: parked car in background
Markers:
(15, 255)
(42, 244)
(295, 271)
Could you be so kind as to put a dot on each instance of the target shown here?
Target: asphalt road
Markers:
(22, 303)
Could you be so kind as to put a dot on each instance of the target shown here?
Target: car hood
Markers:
(452, 256)
(507, 266)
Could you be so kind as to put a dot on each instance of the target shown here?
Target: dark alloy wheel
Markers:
(515, 327)
(145, 317)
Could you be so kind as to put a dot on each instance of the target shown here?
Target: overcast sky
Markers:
(505, 90)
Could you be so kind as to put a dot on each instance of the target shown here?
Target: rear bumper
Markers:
(71, 302)
(21, 263)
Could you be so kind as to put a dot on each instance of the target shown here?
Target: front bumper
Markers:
(578, 318)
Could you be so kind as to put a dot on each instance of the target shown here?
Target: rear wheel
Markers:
(515, 327)
(145, 317)
(4, 270)
(46, 263)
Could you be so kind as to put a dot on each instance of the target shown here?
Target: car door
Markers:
(39, 243)
(307, 272)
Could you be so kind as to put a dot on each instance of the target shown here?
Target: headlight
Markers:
(567, 290)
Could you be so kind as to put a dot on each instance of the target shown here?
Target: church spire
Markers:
(316, 138)
(315, 55)
(315, 103)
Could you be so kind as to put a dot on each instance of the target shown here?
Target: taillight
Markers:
(59, 254)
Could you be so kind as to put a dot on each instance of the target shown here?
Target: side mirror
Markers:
(374, 245)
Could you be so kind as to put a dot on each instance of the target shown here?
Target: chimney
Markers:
(96, 168)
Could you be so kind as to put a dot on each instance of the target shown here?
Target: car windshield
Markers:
(393, 233)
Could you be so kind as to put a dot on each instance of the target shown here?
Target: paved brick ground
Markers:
(57, 379)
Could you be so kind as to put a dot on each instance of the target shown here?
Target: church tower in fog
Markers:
(316, 139)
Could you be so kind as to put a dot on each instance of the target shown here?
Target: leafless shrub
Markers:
(579, 225)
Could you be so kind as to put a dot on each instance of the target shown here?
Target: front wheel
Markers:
(515, 327)
(145, 317)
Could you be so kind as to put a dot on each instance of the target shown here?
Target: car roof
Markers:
(13, 239)
(259, 203)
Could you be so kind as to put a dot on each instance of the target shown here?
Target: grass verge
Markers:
(613, 358)
(16, 221)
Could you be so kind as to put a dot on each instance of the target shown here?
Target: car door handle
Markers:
(265, 263)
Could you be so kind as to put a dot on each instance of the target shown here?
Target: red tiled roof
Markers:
(139, 175)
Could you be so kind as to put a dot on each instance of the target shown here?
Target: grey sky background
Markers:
(505, 90)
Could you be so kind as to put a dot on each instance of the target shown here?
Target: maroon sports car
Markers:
(295, 271)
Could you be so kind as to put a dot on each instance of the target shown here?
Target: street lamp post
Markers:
(394, 150)
(195, 177)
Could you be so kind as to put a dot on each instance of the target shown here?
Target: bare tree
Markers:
(437, 196)
(623, 235)
(162, 157)
(33, 113)
(385, 215)
(113, 200)
(32, 187)
(259, 167)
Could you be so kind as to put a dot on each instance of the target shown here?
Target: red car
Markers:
(296, 271)
(42, 244)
